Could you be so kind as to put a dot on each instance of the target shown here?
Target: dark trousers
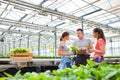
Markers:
(81, 59)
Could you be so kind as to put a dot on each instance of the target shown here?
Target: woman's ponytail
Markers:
(60, 38)
(63, 35)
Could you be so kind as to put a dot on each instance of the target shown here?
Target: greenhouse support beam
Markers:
(2, 50)
(5, 49)
(9, 22)
(28, 39)
(82, 25)
(39, 45)
(39, 40)
(111, 46)
(55, 41)
(9, 46)
(57, 13)
(90, 13)
(20, 42)
(19, 20)
(55, 33)
(42, 2)
(14, 43)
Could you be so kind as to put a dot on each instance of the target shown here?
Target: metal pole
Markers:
(14, 43)
(9, 46)
(111, 46)
(39, 40)
(28, 38)
(55, 41)
(20, 43)
(39, 45)
(55, 34)
(45, 50)
(82, 24)
(5, 49)
(2, 50)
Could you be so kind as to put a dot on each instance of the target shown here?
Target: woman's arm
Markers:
(91, 47)
(60, 52)
(102, 50)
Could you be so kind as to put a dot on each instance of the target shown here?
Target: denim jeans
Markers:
(65, 62)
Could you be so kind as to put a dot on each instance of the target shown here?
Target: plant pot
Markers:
(21, 56)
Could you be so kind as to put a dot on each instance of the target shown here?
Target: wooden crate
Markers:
(21, 56)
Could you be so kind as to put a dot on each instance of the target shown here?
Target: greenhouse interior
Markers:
(34, 27)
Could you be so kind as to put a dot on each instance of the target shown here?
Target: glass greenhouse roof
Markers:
(19, 15)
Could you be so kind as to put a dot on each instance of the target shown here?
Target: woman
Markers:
(100, 45)
(63, 51)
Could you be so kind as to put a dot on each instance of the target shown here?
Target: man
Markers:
(82, 43)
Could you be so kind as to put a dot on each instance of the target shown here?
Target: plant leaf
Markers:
(8, 75)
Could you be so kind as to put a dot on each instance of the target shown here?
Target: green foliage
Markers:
(10, 76)
(19, 50)
(88, 47)
(2, 78)
(92, 71)
(46, 56)
(74, 48)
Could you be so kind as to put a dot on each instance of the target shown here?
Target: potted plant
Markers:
(78, 50)
(20, 54)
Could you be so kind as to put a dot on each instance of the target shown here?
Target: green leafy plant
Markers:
(2, 78)
(87, 47)
(74, 48)
(19, 50)
(92, 71)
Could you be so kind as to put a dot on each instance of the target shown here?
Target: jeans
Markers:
(65, 62)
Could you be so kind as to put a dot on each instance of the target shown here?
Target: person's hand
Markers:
(91, 50)
(87, 51)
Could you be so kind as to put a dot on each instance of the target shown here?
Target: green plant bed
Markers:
(58, 57)
(46, 57)
(112, 57)
(4, 56)
(93, 71)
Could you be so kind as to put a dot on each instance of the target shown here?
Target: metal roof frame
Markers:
(57, 13)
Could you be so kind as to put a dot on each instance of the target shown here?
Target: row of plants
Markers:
(2, 56)
(47, 57)
(93, 71)
(26, 50)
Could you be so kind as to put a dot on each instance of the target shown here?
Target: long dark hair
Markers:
(64, 34)
(100, 33)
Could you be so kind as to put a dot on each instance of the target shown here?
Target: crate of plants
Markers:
(79, 50)
(19, 54)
